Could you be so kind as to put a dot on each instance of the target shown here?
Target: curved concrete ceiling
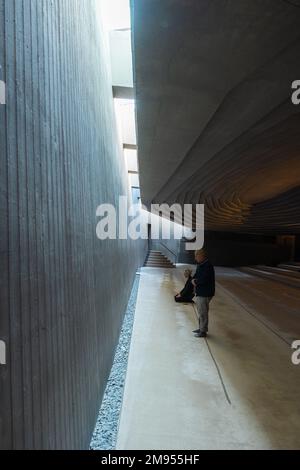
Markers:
(216, 124)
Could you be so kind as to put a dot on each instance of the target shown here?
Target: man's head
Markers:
(187, 273)
(200, 256)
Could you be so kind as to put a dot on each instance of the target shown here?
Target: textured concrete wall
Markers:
(216, 124)
(63, 292)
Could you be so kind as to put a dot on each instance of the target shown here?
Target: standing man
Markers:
(204, 283)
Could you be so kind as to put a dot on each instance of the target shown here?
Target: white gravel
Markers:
(106, 430)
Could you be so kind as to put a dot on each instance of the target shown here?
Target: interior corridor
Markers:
(238, 389)
(131, 133)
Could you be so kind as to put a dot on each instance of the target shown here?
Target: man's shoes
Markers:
(200, 335)
(196, 331)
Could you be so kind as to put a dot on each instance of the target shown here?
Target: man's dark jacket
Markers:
(187, 292)
(205, 279)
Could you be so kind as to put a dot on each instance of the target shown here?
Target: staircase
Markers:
(156, 259)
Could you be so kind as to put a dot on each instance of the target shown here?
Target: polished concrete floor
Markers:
(236, 390)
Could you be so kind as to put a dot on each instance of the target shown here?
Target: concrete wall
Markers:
(229, 249)
(297, 248)
(63, 292)
(167, 241)
(231, 253)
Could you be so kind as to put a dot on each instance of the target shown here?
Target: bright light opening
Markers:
(116, 14)
(125, 111)
(116, 19)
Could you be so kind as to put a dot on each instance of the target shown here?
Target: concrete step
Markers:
(160, 265)
(163, 261)
(156, 255)
(277, 270)
(157, 265)
(293, 267)
(292, 282)
(157, 258)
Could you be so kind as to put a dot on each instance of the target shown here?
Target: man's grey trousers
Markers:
(202, 304)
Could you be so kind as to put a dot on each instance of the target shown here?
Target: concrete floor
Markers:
(275, 304)
(237, 390)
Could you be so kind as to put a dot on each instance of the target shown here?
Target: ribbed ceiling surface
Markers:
(216, 124)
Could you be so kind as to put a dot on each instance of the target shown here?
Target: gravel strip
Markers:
(106, 430)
